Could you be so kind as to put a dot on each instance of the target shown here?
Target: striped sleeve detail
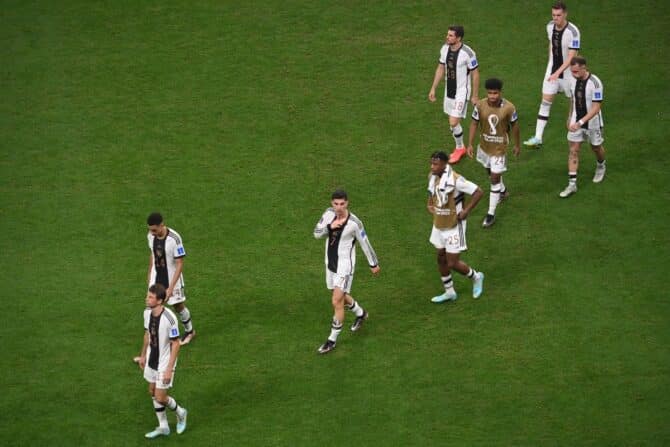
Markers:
(174, 235)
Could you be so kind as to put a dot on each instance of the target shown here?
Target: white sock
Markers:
(448, 284)
(457, 133)
(172, 405)
(494, 198)
(160, 414)
(355, 308)
(572, 178)
(185, 317)
(542, 118)
(335, 329)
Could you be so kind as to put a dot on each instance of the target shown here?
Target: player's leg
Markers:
(454, 262)
(163, 428)
(543, 113)
(337, 300)
(447, 281)
(573, 166)
(457, 133)
(185, 317)
(596, 140)
(360, 313)
(181, 412)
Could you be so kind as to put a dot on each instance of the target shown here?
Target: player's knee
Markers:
(442, 257)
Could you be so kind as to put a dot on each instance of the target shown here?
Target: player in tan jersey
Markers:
(494, 116)
(446, 202)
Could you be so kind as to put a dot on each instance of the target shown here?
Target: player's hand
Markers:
(474, 100)
(431, 95)
(573, 127)
(516, 151)
(553, 78)
(142, 362)
(431, 209)
(375, 270)
(167, 376)
(168, 292)
(462, 215)
(470, 151)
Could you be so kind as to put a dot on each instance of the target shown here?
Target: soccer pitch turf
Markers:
(236, 121)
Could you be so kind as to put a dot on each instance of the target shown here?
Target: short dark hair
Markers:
(578, 60)
(154, 219)
(458, 30)
(559, 5)
(493, 84)
(158, 290)
(440, 155)
(339, 194)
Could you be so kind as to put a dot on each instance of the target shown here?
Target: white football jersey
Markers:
(584, 94)
(165, 253)
(162, 330)
(457, 67)
(340, 243)
(561, 43)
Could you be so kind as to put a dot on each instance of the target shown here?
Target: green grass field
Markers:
(236, 120)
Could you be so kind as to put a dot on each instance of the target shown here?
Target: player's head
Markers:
(559, 13)
(156, 295)
(493, 89)
(340, 201)
(578, 67)
(155, 224)
(455, 34)
(438, 162)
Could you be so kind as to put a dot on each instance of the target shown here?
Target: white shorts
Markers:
(457, 107)
(551, 88)
(153, 376)
(496, 163)
(451, 239)
(593, 136)
(342, 282)
(178, 296)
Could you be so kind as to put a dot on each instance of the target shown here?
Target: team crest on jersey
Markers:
(598, 95)
(180, 250)
(174, 332)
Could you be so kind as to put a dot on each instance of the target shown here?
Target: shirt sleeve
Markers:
(147, 314)
(597, 95)
(179, 250)
(174, 328)
(321, 228)
(472, 63)
(475, 113)
(466, 186)
(363, 240)
(443, 55)
(515, 116)
(575, 41)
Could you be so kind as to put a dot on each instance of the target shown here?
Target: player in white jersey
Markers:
(343, 229)
(585, 122)
(446, 197)
(159, 359)
(564, 43)
(166, 263)
(459, 68)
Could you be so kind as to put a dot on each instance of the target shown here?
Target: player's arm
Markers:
(475, 85)
(179, 268)
(151, 265)
(143, 352)
(370, 254)
(554, 76)
(474, 122)
(475, 196)
(439, 75)
(321, 228)
(174, 351)
(516, 136)
(595, 109)
(430, 206)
